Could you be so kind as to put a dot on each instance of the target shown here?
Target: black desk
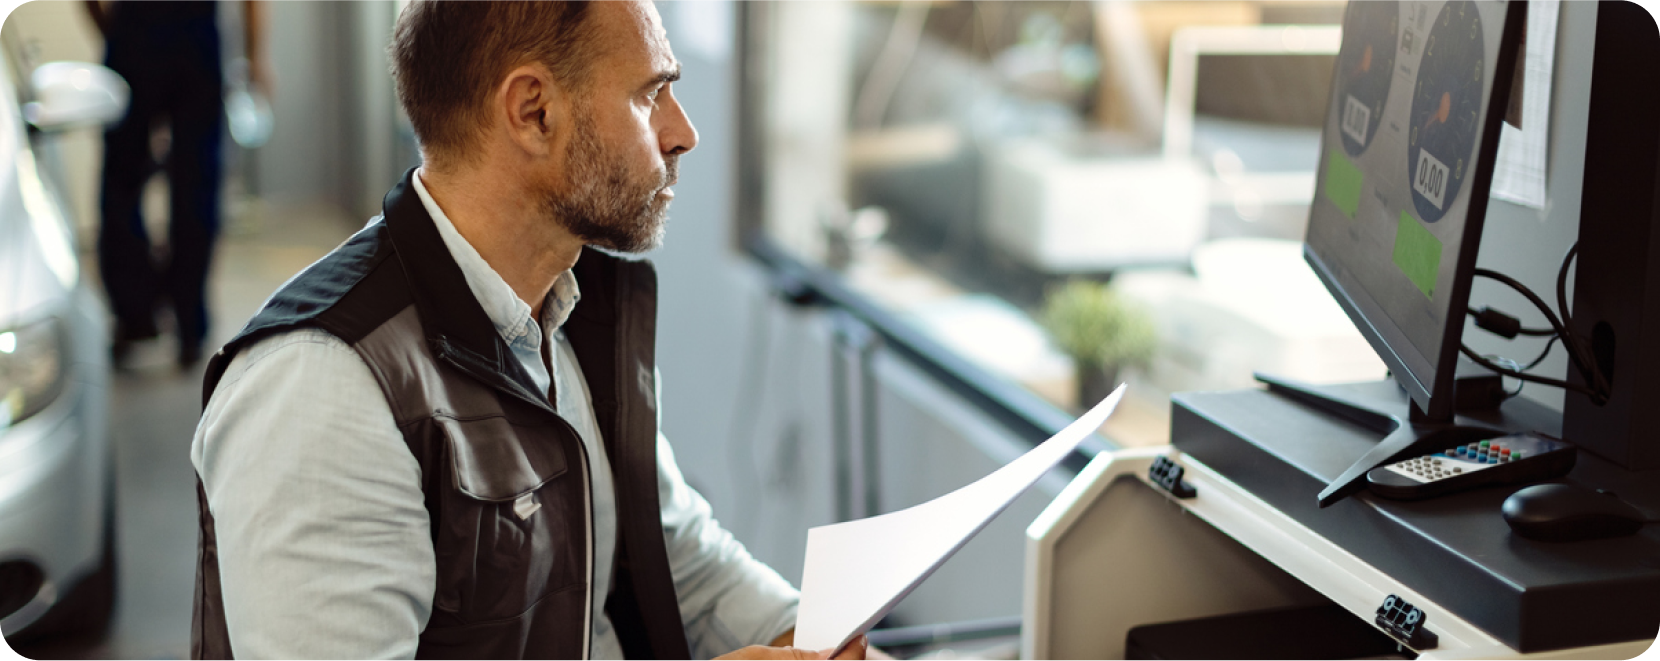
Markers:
(1455, 550)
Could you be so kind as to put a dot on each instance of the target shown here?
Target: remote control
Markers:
(1526, 457)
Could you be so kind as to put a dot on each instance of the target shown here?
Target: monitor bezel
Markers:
(1433, 393)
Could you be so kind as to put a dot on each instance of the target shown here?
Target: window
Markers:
(952, 169)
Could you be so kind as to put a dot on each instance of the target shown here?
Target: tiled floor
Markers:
(153, 412)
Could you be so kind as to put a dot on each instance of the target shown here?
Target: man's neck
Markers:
(507, 228)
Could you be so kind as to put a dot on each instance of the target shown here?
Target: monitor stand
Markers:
(1415, 435)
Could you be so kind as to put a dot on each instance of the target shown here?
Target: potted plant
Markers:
(1102, 332)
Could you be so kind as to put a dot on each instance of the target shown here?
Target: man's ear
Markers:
(527, 102)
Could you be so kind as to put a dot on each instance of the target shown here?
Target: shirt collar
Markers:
(509, 313)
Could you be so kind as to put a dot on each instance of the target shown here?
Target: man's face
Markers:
(628, 133)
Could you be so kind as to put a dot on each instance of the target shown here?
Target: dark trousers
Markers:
(174, 71)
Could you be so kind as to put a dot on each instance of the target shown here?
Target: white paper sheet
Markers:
(1523, 153)
(857, 571)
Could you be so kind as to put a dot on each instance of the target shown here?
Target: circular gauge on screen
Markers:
(1446, 109)
(1365, 66)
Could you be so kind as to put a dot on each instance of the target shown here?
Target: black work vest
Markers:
(508, 587)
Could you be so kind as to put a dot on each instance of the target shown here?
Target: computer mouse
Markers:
(1566, 513)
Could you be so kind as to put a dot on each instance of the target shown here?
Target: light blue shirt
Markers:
(324, 542)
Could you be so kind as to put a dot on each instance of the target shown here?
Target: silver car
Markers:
(57, 557)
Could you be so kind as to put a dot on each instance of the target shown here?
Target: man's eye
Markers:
(652, 95)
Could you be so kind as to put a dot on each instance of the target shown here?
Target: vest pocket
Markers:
(496, 460)
(515, 529)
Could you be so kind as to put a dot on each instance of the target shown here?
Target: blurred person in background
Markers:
(169, 52)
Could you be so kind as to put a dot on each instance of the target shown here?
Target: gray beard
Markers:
(607, 205)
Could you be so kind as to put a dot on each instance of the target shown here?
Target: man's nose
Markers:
(678, 136)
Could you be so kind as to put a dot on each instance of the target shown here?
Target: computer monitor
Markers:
(1248, 102)
(1411, 130)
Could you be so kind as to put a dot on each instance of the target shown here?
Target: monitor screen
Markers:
(1411, 128)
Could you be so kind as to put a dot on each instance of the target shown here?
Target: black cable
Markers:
(1542, 354)
(1562, 285)
(1484, 315)
(1484, 362)
(1572, 343)
(1509, 364)
(1520, 384)
(1576, 351)
(1550, 315)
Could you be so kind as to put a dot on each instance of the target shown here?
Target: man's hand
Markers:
(859, 650)
(855, 650)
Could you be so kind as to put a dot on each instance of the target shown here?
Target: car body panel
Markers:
(55, 465)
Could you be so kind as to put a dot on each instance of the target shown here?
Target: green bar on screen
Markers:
(1417, 253)
(1343, 182)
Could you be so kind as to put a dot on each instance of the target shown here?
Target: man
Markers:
(168, 52)
(423, 445)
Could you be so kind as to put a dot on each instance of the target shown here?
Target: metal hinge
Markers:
(1405, 623)
(1168, 475)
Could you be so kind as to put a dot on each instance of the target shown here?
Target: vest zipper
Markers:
(550, 349)
(588, 534)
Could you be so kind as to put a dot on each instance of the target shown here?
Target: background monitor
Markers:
(1248, 103)
(1406, 158)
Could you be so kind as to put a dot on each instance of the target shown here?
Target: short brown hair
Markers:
(448, 55)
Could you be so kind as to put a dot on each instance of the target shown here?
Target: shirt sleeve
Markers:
(728, 599)
(323, 536)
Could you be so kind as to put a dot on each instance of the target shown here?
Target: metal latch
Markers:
(1168, 474)
(1405, 623)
